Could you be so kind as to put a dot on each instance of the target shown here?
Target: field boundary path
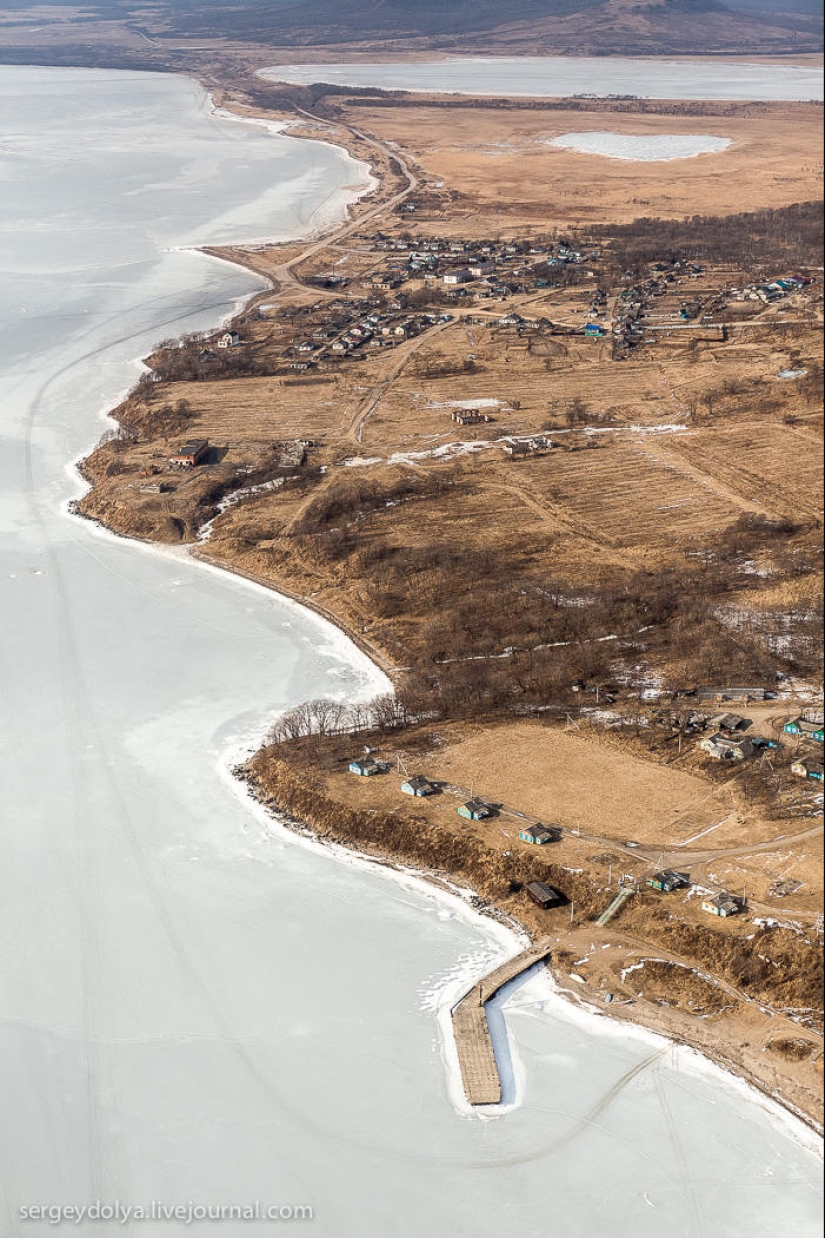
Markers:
(476, 1056)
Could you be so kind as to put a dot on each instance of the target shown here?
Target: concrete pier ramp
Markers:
(476, 1056)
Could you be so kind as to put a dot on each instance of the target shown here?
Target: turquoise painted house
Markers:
(417, 786)
(808, 730)
(364, 768)
(473, 810)
(538, 835)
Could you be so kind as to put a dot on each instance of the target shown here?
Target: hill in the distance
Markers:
(577, 26)
(523, 27)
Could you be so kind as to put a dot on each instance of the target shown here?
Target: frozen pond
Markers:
(598, 77)
(194, 1006)
(652, 148)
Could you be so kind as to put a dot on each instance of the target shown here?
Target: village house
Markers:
(727, 747)
(543, 895)
(724, 904)
(461, 276)
(473, 810)
(365, 767)
(808, 769)
(804, 728)
(477, 269)
(229, 339)
(418, 786)
(667, 880)
(190, 454)
(538, 835)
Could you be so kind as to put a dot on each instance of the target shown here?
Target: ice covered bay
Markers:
(193, 1006)
(559, 76)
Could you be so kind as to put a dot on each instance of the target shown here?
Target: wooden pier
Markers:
(479, 1072)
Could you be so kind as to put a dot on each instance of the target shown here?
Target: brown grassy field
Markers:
(500, 161)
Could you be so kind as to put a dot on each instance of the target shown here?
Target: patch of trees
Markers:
(438, 365)
(483, 631)
(790, 235)
(182, 362)
(354, 497)
(630, 104)
(323, 717)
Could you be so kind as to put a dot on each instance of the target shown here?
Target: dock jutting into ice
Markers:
(479, 1072)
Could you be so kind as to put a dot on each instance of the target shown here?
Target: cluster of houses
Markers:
(474, 809)
(495, 269)
(722, 904)
(775, 290)
(378, 330)
(535, 834)
(727, 742)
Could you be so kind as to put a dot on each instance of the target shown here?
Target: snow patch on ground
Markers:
(485, 403)
(644, 148)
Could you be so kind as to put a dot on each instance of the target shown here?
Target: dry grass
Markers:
(495, 157)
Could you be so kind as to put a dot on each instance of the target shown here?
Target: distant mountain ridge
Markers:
(521, 27)
(576, 26)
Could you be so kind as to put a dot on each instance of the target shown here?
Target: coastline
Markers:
(645, 1016)
(431, 880)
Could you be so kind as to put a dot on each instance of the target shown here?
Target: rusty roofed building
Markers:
(190, 454)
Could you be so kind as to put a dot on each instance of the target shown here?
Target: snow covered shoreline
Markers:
(205, 1010)
(346, 642)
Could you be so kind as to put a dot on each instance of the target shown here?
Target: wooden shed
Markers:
(543, 895)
